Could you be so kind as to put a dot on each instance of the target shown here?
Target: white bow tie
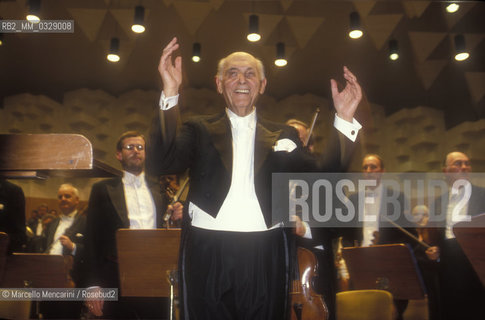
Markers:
(239, 123)
(134, 180)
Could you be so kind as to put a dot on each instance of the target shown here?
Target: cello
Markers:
(306, 304)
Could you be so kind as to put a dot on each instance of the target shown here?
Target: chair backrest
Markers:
(364, 305)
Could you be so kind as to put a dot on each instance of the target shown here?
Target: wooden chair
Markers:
(364, 305)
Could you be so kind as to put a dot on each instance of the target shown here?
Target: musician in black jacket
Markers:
(133, 201)
(461, 294)
(65, 236)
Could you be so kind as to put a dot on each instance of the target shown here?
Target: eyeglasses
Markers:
(131, 147)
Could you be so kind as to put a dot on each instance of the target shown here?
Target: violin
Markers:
(306, 304)
(174, 193)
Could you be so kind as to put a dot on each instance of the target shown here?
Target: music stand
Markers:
(389, 267)
(36, 270)
(144, 257)
(471, 237)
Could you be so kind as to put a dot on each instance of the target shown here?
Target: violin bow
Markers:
(315, 115)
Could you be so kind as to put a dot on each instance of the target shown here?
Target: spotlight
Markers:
(452, 7)
(280, 60)
(393, 50)
(460, 48)
(253, 34)
(114, 49)
(355, 29)
(196, 52)
(138, 22)
(33, 12)
(1, 39)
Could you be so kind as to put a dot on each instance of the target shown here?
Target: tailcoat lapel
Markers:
(157, 199)
(264, 141)
(219, 131)
(117, 196)
(52, 231)
(263, 144)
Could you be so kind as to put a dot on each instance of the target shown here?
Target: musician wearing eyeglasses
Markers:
(133, 201)
(461, 294)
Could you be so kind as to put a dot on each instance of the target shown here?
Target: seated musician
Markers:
(133, 201)
(460, 294)
(65, 236)
(377, 231)
(37, 223)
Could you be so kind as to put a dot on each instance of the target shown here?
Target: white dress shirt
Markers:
(139, 202)
(240, 210)
(39, 228)
(454, 213)
(372, 208)
(64, 223)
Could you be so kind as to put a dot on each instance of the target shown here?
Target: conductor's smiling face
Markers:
(240, 82)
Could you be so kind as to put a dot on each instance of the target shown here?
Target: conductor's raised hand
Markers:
(170, 69)
(348, 99)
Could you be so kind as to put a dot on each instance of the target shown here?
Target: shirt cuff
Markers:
(74, 249)
(168, 102)
(348, 129)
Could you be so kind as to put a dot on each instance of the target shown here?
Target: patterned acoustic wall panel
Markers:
(470, 138)
(413, 139)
